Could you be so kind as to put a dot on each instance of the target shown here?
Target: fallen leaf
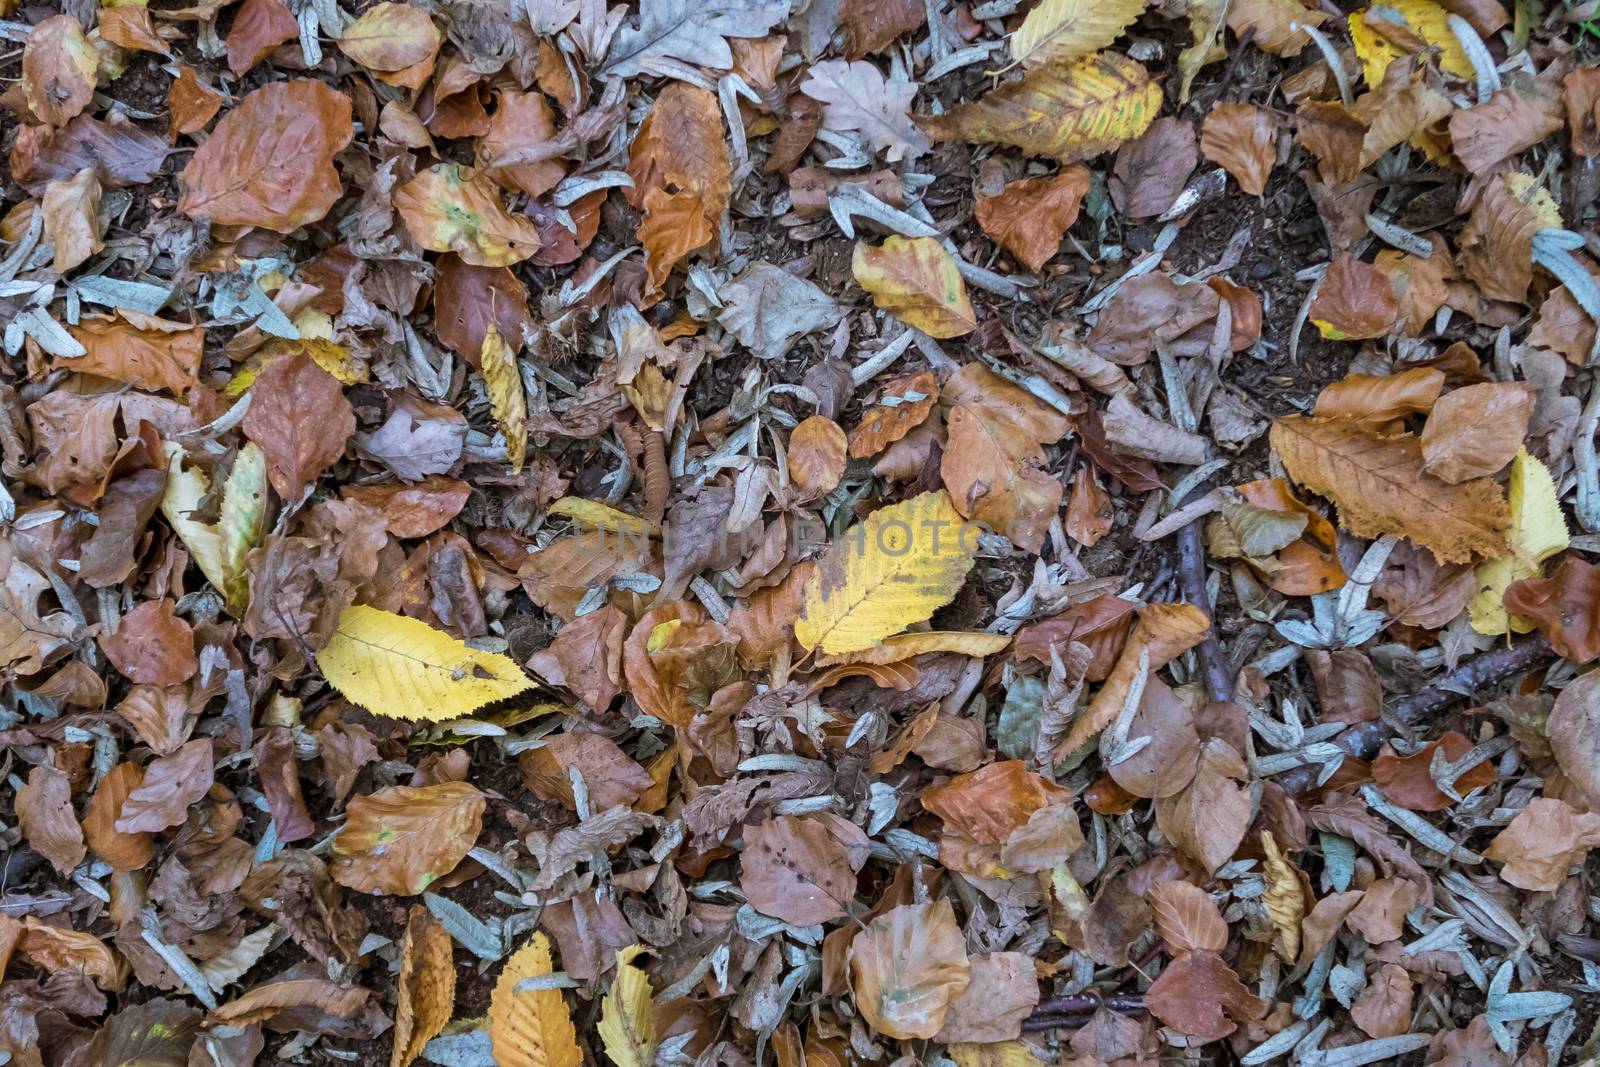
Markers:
(1152, 169)
(141, 350)
(1384, 1007)
(123, 851)
(1580, 95)
(856, 98)
(1089, 515)
(426, 986)
(1093, 103)
(679, 30)
(586, 657)
(994, 473)
(531, 1028)
(451, 208)
(269, 162)
(1057, 30)
(391, 37)
(627, 1022)
(1354, 302)
(614, 778)
(1276, 26)
(1546, 840)
(44, 810)
(1380, 487)
(258, 27)
(190, 105)
(401, 839)
(1187, 918)
(906, 967)
(71, 210)
(1285, 897)
(1199, 995)
(1002, 991)
(1564, 607)
(816, 456)
(1408, 781)
(58, 69)
(1476, 430)
(884, 574)
(1380, 915)
(1496, 245)
(467, 298)
(1538, 531)
(871, 25)
(1499, 128)
(152, 646)
(1209, 818)
(170, 785)
(60, 948)
(802, 869)
(1243, 140)
(904, 404)
(1422, 24)
(915, 280)
(301, 420)
(413, 511)
(1376, 401)
(1164, 632)
(1030, 216)
(507, 400)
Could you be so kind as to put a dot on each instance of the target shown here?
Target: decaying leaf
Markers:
(627, 1024)
(400, 839)
(451, 208)
(915, 280)
(1056, 30)
(427, 986)
(906, 967)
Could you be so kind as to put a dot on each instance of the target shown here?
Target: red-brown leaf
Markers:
(301, 419)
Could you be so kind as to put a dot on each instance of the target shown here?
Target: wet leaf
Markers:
(906, 967)
(269, 162)
(915, 280)
(401, 839)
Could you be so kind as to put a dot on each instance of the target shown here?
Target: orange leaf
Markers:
(816, 456)
(1565, 608)
(1377, 400)
(1243, 140)
(1187, 918)
(1407, 781)
(451, 208)
(258, 28)
(1029, 217)
(903, 406)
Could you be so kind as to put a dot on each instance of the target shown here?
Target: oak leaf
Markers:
(856, 98)
(403, 838)
(915, 279)
(1380, 487)
(269, 162)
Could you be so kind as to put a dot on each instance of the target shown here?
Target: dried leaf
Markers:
(1494, 131)
(532, 1028)
(1285, 897)
(258, 27)
(994, 473)
(269, 162)
(1199, 995)
(1002, 992)
(1243, 140)
(1476, 430)
(1408, 781)
(802, 870)
(1384, 1008)
(915, 280)
(856, 98)
(1209, 818)
(1057, 30)
(426, 986)
(44, 808)
(1164, 631)
(1187, 918)
(71, 210)
(1152, 169)
(1497, 244)
(1092, 104)
(401, 839)
(58, 70)
(1276, 26)
(190, 105)
(906, 967)
(124, 851)
(140, 350)
(1380, 487)
(301, 420)
(466, 299)
(627, 1025)
(1355, 301)
(391, 37)
(1030, 216)
(170, 785)
(1378, 400)
(507, 401)
(1543, 843)
(152, 646)
(816, 456)
(451, 208)
(903, 406)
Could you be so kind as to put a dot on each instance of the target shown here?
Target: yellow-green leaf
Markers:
(507, 400)
(1071, 111)
(915, 279)
(389, 37)
(889, 572)
(531, 1028)
(1538, 531)
(905, 646)
(405, 669)
(1422, 19)
(1061, 29)
(593, 515)
(626, 1024)
(451, 208)
(243, 522)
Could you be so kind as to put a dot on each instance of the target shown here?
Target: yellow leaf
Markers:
(451, 208)
(532, 1028)
(1061, 29)
(1526, 188)
(1380, 487)
(1538, 531)
(915, 279)
(996, 1054)
(904, 646)
(1374, 32)
(391, 37)
(593, 515)
(405, 669)
(626, 1024)
(220, 550)
(1072, 111)
(427, 986)
(506, 399)
(887, 573)
(1284, 898)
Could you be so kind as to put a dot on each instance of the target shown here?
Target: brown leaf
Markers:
(1408, 782)
(426, 986)
(1565, 607)
(1152, 169)
(1101, 624)
(152, 645)
(1209, 818)
(1384, 1008)
(169, 786)
(1497, 244)
(1398, 113)
(1355, 301)
(1187, 918)
(1002, 991)
(44, 808)
(1165, 631)
(1546, 840)
(1243, 140)
(401, 839)
(613, 778)
(1030, 216)
(802, 870)
(993, 471)
(1165, 765)
(258, 27)
(466, 298)
(1380, 915)
(413, 511)
(130, 27)
(990, 804)
(60, 948)
(71, 211)
(1574, 731)
(1089, 515)
(302, 421)
(269, 162)
(872, 25)
(1581, 95)
(1418, 590)
(1377, 400)
(915, 279)
(141, 350)
(816, 456)
(1199, 995)
(521, 121)
(586, 657)
(906, 967)
(1475, 431)
(1348, 689)
(1322, 925)
(1277, 24)
(265, 1001)
(1334, 134)
(190, 105)
(904, 404)
(1148, 310)
(58, 70)
(1499, 128)
(1380, 487)
(124, 851)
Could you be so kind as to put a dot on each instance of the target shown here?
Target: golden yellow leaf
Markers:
(427, 986)
(1164, 632)
(887, 573)
(593, 515)
(405, 669)
(1284, 898)
(995, 1054)
(1072, 111)
(915, 279)
(905, 646)
(507, 400)
(1380, 487)
(451, 208)
(391, 37)
(1061, 29)
(532, 1028)
(1538, 531)
(1378, 38)
(626, 1024)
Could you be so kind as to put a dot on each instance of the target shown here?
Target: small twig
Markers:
(1365, 738)
(1089, 1003)
(1192, 576)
